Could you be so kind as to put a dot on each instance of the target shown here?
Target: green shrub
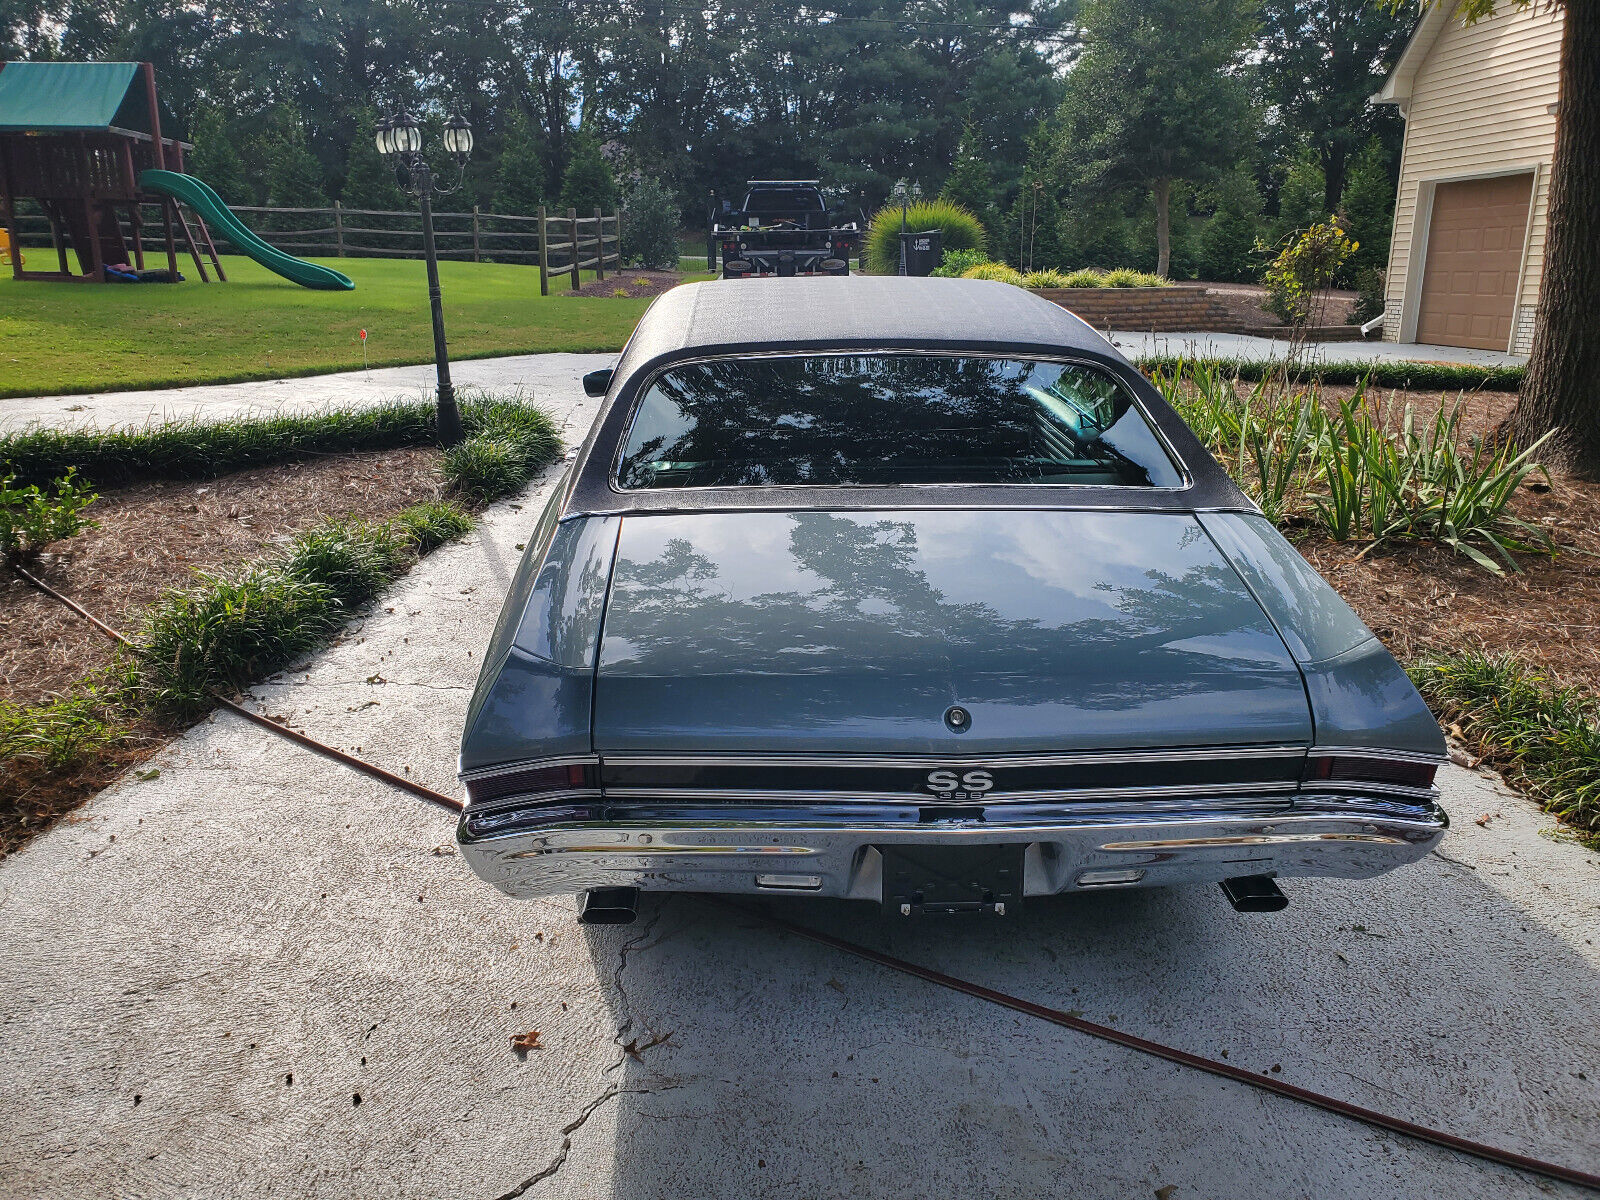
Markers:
(1382, 373)
(352, 559)
(1127, 277)
(998, 272)
(962, 231)
(1304, 268)
(486, 468)
(1351, 473)
(956, 263)
(1084, 277)
(228, 630)
(32, 517)
(1371, 297)
(197, 450)
(650, 225)
(433, 523)
(54, 733)
(1044, 279)
(1545, 737)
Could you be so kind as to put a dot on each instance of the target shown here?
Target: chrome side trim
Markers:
(1082, 758)
(528, 764)
(1374, 752)
(931, 800)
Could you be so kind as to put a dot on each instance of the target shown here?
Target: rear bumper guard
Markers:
(753, 851)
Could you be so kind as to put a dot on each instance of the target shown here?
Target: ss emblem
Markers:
(971, 781)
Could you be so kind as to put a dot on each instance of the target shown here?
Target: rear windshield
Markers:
(885, 419)
(782, 200)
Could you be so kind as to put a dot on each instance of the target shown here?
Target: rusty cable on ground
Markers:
(1343, 1108)
(282, 730)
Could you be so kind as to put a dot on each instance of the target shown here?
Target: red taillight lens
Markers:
(1361, 768)
(570, 777)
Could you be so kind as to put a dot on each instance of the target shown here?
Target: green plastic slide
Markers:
(215, 213)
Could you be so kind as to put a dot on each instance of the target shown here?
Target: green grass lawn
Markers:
(81, 337)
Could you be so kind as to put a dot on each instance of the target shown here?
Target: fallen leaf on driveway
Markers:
(636, 1052)
(836, 985)
(1483, 821)
(1165, 1193)
(523, 1042)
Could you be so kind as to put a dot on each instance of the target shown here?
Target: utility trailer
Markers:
(783, 228)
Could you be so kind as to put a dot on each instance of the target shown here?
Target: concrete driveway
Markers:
(260, 974)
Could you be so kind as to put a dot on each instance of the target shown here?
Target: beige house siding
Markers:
(1479, 104)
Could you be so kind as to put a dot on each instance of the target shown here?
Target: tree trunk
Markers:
(1163, 195)
(1334, 159)
(1562, 388)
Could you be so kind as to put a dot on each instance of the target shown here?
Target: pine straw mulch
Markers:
(151, 537)
(630, 285)
(1421, 598)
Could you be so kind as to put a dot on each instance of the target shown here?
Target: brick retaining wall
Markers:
(1177, 309)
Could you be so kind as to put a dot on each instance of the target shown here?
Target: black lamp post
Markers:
(905, 195)
(399, 139)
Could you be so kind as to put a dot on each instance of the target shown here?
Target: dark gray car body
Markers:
(746, 689)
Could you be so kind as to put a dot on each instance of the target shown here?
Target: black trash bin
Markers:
(921, 252)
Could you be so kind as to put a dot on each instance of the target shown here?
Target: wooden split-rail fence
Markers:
(563, 244)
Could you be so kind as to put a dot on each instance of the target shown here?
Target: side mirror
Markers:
(596, 383)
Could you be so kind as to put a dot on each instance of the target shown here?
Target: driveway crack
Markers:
(561, 1155)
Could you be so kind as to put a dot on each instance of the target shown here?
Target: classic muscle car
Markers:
(914, 591)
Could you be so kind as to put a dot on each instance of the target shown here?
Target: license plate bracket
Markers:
(948, 880)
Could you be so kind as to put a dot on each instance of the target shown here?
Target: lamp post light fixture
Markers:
(399, 139)
(906, 195)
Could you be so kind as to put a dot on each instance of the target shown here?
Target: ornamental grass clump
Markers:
(1357, 474)
(230, 629)
(960, 227)
(1044, 279)
(1546, 737)
(995, 272)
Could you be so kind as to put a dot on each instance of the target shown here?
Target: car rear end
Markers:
(1031, 664)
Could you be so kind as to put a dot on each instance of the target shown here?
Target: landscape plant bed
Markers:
(221, 582)
(628, 285)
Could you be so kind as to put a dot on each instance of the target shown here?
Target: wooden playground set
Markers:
(91, 148)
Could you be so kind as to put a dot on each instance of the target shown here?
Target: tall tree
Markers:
(588, 183)
(1318, 62)
(1157, 98)
(970, 183)
(1560, 392)
(294, 177)
(519, 182)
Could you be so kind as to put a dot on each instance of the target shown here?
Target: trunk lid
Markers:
(856, 632)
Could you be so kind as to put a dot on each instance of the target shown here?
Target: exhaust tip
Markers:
(609, 906)
(1253, 893)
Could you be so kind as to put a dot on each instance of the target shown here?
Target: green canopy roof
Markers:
(76, 97)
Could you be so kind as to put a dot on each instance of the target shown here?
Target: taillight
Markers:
(1369, 768)
(531, 781)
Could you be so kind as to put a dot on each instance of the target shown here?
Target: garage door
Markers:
(1469, 282)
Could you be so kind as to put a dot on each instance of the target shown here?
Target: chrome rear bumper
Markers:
(832, 850)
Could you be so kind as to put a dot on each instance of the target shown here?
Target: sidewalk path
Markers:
(1255, 349)
(256, 973)
(539, 376)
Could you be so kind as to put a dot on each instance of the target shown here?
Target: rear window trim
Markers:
(613, 471)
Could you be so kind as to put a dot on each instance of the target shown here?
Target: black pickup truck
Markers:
(782, 228)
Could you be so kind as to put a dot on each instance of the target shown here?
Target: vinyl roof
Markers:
(847, 311)
(77, 97)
